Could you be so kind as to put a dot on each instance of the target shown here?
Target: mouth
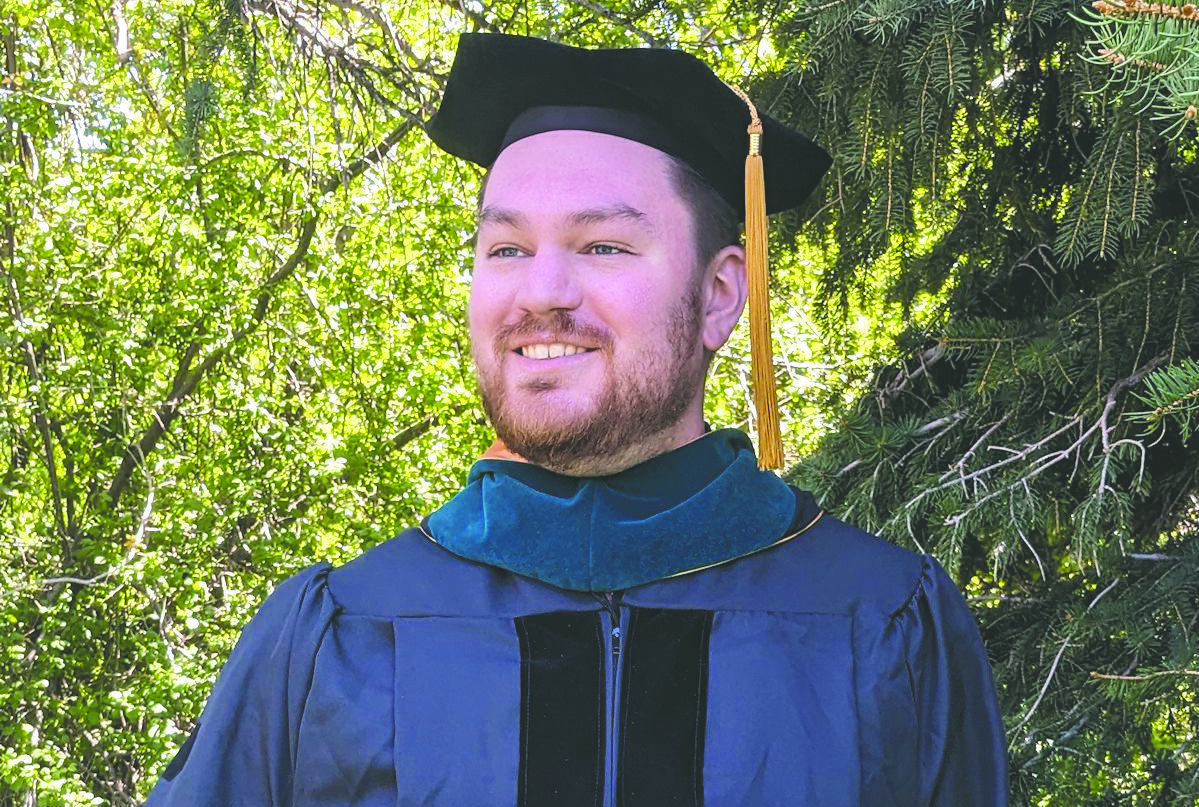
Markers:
(551, 350)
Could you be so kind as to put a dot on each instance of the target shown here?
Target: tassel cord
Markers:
(770, 442)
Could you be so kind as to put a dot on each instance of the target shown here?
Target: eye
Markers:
(605, 249)
(504, 252)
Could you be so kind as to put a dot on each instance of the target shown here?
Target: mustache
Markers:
(560, 326)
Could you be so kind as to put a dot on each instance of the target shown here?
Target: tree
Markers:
(1035, 219)
(221, 304)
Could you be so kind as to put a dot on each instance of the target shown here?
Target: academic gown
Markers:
(816, 666)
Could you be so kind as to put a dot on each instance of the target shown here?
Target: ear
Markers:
(724, 291)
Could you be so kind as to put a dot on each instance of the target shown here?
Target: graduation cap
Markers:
(503, 88)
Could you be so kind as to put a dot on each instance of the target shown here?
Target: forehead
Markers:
(562, 171)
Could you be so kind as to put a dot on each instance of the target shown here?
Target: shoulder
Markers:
(294, 615)
(832, 567)
(298, 597)
(411, 575)
(852, 568)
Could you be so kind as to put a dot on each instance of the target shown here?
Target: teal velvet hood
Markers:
(702, 504)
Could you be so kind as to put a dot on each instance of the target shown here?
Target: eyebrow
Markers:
(502, 215)
(600, 215)
(579, 218)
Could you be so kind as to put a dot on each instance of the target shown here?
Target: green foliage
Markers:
(983, 155)
(231, 348)
(1113, 199)
(1152, 52)
(1173, 394)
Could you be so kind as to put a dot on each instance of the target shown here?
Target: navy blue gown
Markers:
(822, 668)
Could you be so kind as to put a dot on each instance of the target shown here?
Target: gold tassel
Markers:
(770, 441)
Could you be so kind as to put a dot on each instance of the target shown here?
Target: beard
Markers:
(639, 401)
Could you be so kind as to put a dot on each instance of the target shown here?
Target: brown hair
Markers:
(714, 222)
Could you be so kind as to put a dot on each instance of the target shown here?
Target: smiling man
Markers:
(620, 608)
(591, 314)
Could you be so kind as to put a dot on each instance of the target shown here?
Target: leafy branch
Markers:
(188, 378)
(1172, 392)
(1037, 455)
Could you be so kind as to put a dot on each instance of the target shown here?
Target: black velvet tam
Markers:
(502, 88)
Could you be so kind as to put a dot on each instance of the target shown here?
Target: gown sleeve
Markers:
(961, 747)
(241, 750)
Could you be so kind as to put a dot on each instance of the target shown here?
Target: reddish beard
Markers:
(637, 403)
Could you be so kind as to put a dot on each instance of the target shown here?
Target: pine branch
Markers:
(1106, 227)
(1117, 58)
(1173, 392)
(1075, 240)
(1057, 660)
(1040, 462)
(1132, 8)
(1187, 400)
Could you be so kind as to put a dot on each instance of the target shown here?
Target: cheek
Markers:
(638, 311)
(485, 303)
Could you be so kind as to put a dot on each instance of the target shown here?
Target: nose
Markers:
(549, 283)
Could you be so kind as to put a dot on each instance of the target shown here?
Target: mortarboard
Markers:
(502, 88)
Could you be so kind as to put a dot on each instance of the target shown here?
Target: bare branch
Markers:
(186, 382)
(133, 68)
(1155, 556)
(1069, 734)
(356, 167)
(45, 99)
(1057, 660)
(50, 582)
(281, 159)
(29, 355)
(1145, 677)
(380, 18)
(121, 35)
(1044, 687)
(1041, 462)
(305, 23)
(927, 359)
(1102, 594)
(409, 433)
(58, 584)
(940, 423)
(961, 463)
(614, 18)
(480, 22)
(849, 468)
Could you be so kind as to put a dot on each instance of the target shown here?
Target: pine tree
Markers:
(1021, 179)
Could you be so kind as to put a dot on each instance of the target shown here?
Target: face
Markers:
(588, 315)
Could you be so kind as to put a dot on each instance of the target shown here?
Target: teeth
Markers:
(550, 351)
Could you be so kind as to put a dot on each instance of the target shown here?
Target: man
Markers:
(620, 608)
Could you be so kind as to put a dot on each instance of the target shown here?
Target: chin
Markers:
(549, 417)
